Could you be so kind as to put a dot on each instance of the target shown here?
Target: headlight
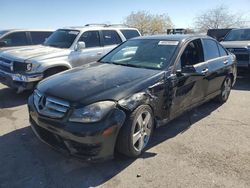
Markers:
(28, 65)
(92, 113)
(248, 46)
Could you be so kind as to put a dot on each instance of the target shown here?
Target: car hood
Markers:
(97, 82)
(235, 44)
(35, 52)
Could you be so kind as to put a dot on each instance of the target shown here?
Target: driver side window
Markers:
(193, 54)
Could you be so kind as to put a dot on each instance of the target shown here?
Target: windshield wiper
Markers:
(127, 65)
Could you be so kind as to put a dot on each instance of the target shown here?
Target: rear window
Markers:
(111, 37)
(39, 37)
(210, 49)
(128, 34)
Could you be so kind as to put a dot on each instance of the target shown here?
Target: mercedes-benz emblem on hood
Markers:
(42, 103)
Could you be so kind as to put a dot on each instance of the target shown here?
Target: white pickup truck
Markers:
(21, 68)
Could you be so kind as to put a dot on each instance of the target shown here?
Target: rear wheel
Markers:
(135, 134)
(225, 90)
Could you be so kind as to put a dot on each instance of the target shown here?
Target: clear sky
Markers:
(58, 13)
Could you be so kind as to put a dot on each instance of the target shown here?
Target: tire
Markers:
(225, 90)
(136, 132)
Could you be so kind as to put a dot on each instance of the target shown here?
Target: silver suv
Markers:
(66, 48)
(237, 41)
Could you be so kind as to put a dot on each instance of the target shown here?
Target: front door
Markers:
(189, 83)
(91, 53)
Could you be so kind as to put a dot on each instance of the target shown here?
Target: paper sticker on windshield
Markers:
(174, 43)
(73, 32)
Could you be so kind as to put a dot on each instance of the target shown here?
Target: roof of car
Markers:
(11, 30)
(98, 27)
(241, 28)
(175, 37)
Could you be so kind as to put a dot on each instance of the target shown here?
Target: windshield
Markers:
(238, 35)
(143, 53)
(62, 38)
(3, 32)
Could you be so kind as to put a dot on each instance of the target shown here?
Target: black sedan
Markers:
(115, 103)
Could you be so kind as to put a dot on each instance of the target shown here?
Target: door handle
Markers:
(204, 71)
(99, 53)
(225, 62)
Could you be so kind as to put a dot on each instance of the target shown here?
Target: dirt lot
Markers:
(207, 147)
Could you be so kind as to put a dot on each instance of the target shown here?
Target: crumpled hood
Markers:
(99, 82)
(235, 44)
(35, 52)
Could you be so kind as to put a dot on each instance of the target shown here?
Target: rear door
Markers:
(189, 88)
(217, 59)
(91, 53)
(110, 39)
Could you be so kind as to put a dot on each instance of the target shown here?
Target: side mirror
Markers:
(3, 43)
(186, 70)
(80, 45)
(221, 39)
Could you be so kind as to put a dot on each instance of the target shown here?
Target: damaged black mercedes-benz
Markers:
(116, 103)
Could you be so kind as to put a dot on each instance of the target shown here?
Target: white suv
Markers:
(23, 67)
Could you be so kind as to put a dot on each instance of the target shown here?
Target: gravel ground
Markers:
(207, 147)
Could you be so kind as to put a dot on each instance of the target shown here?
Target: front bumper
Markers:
(15, 80)
(90, 142)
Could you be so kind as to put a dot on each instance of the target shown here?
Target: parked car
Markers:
(116, 102)
(66, 48)
(218, 34)
(237, 41)
(18, 37)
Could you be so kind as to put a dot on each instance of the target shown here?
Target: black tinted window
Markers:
(128, 34)
(111, 37)
(91, 39)
(210, 49)
(193, 54)
(39, 37)
(16, 39)
(222, 51)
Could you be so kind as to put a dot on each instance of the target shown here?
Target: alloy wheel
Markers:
(142, 130)
(226, 88)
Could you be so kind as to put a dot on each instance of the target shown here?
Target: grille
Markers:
(242, 57)
(6, 64)
(50, 106)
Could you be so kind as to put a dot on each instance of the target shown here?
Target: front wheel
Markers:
(225, 90)
(136, 132)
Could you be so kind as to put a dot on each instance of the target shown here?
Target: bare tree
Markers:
(149, 24)
(219, 17)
